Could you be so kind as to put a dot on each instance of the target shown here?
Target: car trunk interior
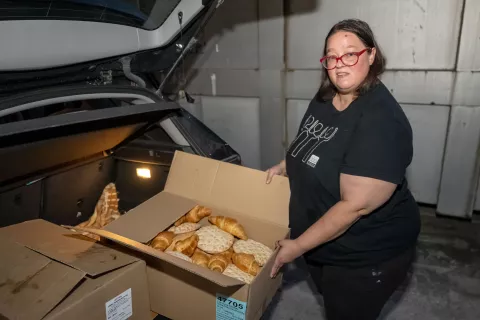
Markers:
(58, 172)
(68, 196)
(57, 159)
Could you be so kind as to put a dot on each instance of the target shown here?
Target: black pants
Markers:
(359, 294)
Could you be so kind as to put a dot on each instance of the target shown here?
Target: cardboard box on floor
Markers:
(47, 272)
(180, 289)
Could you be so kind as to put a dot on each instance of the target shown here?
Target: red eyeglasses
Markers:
(349, 59)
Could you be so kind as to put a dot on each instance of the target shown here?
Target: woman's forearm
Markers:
(331, 225)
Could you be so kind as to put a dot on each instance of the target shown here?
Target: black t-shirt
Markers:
(371, 138)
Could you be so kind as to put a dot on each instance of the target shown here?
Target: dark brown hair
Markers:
(362, 30)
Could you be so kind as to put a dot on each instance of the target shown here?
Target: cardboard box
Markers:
(180, 289)
(47, 272)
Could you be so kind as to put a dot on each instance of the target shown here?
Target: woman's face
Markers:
(347, 78)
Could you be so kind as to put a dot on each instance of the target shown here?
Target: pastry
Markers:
(229, 225)
(214, 240)
(185, 227)
(197, 214)
(105, 211)
(187, 246)
(194, 215)
(179, 237)
(235, 272)
(179, 221)
(179, 255)
(246, 262)
(228, 254)
(218, 263)
(201, 258)
(260, 251)
(162, 240)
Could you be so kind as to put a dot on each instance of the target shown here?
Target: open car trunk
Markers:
(57, 162)
(69, 197)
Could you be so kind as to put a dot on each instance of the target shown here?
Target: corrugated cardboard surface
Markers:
(65, 246)
(143, 222)
(89, 299)
(228, 186)
(183, 290)
(49, 271)
(31, 284)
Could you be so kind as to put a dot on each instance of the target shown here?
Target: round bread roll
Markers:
(214, 240)
(185, 227)
(260, 251)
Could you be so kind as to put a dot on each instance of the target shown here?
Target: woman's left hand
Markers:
(289, 251)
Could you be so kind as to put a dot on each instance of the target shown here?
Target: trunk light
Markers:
(144, 173)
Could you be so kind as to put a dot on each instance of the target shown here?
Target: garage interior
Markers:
(256, 71)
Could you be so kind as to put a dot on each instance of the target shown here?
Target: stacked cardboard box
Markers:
(48, 272)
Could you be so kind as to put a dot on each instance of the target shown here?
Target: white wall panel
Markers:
(232, 36)
(420, 87)
(467, 88)
(271, 34)
(302, 84)
(225, 82)
(477, 201)
(295, 111)
(415, 87)
(429, 125)
(457, 185)
(237, 121)
(469, 54)
(272, 117)
(415, 34)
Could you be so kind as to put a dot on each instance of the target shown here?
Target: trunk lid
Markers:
(33, 147)
(93, 40)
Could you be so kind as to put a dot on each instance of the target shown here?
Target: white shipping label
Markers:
(120, 307)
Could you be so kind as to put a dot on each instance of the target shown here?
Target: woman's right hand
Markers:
(279, 170)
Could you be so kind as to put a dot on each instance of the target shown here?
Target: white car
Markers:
(81, 104)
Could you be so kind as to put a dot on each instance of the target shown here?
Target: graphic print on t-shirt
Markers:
(311, 135)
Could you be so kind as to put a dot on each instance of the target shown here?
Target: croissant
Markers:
(187, 246)
(218, 263)
(197, 214)
(162, 240)
(229, 225)
(228, 254)
(201, 258)
(179, 221)
(246, 262)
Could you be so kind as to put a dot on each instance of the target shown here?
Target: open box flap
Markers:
(31, 285)
(208, 274)
(65, 246)
(231, 186)
(145, 221)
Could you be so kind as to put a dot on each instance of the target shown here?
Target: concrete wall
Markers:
(260, 66)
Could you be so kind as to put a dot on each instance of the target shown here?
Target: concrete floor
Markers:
(444, 282)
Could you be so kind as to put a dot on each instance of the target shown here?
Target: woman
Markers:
(352, 215)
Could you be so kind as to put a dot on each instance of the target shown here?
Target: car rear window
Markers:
(145, 14)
